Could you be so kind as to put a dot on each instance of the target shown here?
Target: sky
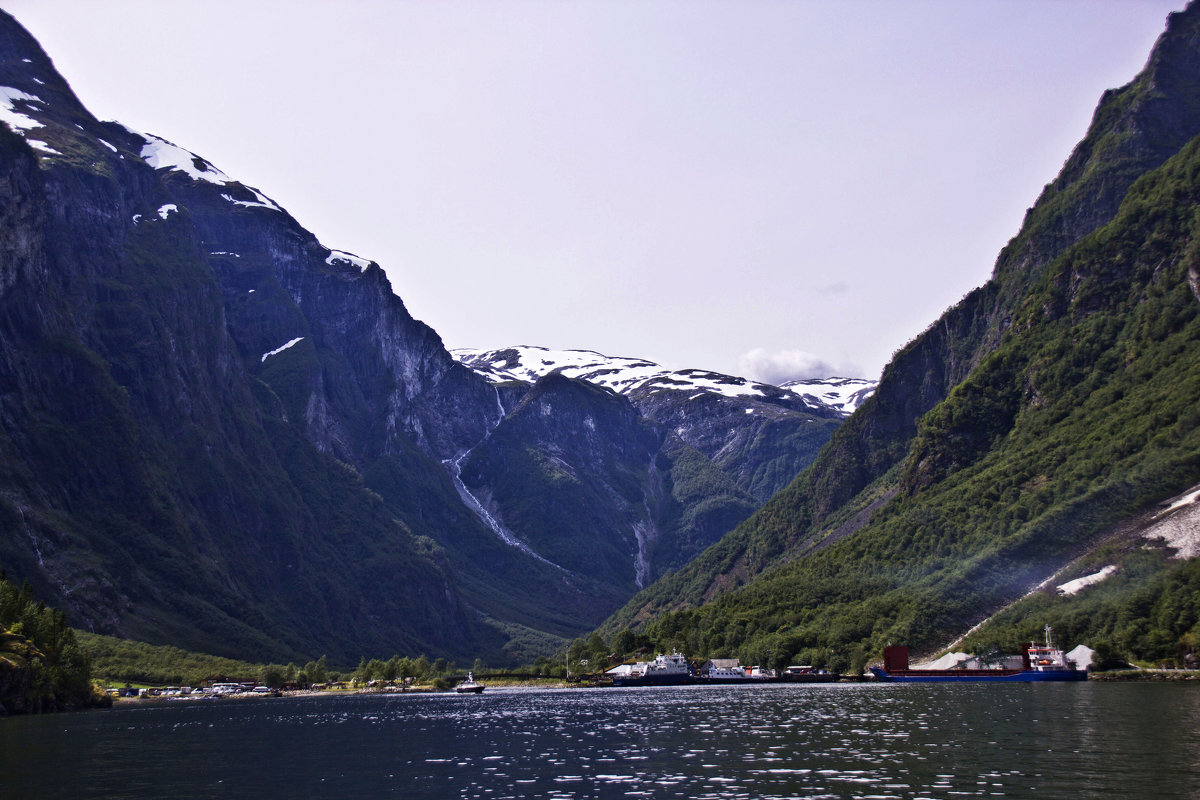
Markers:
(766, 188)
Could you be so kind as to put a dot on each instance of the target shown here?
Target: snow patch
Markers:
(226, 253)
(1073, 587)
(19, 121)
(1178, 525)
(1185, 500)
(279, 350)
(338, 256)
(626, 375)
(112, 147)
(262, 202)
(167, 210)
(161, 154)
(846, 394)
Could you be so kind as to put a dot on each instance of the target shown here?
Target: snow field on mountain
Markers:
(624, 375)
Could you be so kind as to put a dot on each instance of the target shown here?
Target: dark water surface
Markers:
(778, 741)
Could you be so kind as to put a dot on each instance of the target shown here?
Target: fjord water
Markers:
(776, 741)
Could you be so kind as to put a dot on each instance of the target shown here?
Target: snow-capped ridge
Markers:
(161, 154)
(625, 375)
(844, 394)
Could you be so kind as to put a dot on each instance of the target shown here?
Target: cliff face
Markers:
(1134, 129)
(761, 443)
(162, 476)
(598, 489)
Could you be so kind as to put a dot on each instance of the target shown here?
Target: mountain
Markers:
(761, 435)
(638, 377)
(1029, 436)
(219, 433)
(624, 468)
(169, 470)
(844, 394)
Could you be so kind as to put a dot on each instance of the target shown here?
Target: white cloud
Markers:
(790, 365)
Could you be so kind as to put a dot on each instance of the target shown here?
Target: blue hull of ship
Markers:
(1031, 676)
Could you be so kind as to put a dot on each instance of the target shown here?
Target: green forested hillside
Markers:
(1086, 413)
(1147, 611)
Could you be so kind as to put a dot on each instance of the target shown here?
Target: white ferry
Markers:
(664, 670)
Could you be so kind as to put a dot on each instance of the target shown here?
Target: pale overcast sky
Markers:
(770, 188)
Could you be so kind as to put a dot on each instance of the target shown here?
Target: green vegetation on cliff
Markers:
(1147, 612)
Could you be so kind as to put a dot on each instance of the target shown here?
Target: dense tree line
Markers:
(42, 666)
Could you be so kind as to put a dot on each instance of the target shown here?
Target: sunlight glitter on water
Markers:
(862, 741)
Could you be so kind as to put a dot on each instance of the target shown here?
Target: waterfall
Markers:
(454, 466)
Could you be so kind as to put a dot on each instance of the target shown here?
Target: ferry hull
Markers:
(655, 680)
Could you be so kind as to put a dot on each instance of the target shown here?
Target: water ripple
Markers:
(873, 742)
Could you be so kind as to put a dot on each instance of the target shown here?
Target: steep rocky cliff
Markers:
(217, 432)
(598, 489)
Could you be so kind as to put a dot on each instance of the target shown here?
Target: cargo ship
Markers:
(1038, 663)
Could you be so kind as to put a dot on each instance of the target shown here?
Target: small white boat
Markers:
(469, 686)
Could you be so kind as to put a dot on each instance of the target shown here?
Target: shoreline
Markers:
(1147, 675)
(1110, 676)
(299, 693)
